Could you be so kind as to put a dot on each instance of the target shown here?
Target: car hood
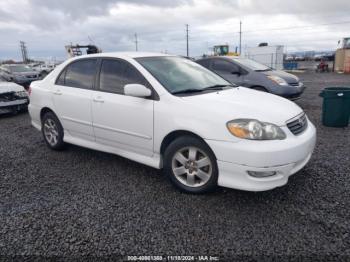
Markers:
(26, 73)
(289, 78)
(6, 87)
(242, 102)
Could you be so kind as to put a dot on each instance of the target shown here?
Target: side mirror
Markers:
(136, 90)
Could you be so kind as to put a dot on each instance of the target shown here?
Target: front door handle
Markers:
(57, 92)
(98, 100)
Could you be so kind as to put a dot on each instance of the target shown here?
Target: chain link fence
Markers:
(277, 61)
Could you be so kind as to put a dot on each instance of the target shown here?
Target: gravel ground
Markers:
(80, 202)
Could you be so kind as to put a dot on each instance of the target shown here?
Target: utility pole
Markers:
(24, 52)
(240, 37)
(187, 40)
(136, 42)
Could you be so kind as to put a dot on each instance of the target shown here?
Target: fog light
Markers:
(259, 174)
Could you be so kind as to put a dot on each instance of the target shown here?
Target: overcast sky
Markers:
(48, 25)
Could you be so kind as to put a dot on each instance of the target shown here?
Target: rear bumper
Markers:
(34, 113)
(284, 157)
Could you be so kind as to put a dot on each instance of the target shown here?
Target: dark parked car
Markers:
(248, 73)
(13, 98)
(20, 74)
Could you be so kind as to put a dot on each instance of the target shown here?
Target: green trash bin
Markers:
(336, 106)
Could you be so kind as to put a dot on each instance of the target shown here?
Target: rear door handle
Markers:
(57, 92)
(98, 100)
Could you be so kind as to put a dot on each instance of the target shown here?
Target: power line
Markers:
(269, 29)
(91, 40)
(296, 27)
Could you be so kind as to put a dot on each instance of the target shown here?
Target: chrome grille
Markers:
(6, 97)
(297, 125)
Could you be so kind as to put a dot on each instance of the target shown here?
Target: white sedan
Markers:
(173, 114)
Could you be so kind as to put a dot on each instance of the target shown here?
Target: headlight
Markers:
(22, 94)
(255, 130)
(278, 80)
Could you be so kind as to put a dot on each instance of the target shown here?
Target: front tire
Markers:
(52, 131)
(191, 165)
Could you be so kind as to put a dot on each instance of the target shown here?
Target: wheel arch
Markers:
(255, 87)
(172, 136)
(45, 110)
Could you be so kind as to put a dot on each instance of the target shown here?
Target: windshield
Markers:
(178, 75)
(251, 64)
(20, 68)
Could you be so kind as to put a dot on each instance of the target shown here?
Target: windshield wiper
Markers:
(192, 90)
(217, 87)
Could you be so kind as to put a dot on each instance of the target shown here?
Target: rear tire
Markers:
(52, 131)
(191, 165)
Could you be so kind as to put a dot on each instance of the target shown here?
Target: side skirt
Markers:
(153, 161)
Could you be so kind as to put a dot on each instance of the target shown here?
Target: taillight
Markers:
(29, 90)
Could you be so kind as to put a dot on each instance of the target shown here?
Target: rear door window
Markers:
(79, 74)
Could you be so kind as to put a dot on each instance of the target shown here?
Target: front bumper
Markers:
(11, 106)
(285, 157)
(293, 92)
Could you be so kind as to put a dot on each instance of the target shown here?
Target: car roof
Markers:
(124, 55)
(222, 56)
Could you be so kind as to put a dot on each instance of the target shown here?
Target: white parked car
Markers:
(13, 98)
(43, 69)
(169, 112)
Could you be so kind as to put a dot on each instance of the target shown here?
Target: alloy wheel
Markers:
(192, 167)
(51, 132)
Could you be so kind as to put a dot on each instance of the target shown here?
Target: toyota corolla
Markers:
(173, 114)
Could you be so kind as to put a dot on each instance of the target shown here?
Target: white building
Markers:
(271, 56)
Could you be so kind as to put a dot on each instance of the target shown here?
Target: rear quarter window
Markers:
(60, 79)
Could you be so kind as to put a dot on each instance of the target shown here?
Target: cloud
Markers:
(47, 26)
(78, 9)
(298, 7)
